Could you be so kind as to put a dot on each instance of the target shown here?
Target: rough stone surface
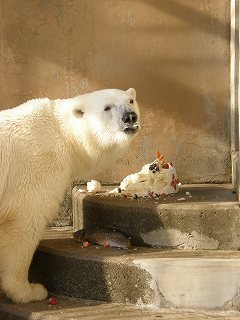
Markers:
(182, 279)
(207, 219)
(178, 239)
(65, 212)
(235, 171)
(90, 274)
(77, 309)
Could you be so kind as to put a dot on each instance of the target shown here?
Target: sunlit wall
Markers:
(175, 53)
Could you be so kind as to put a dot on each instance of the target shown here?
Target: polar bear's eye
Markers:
(78, 113)
(107, 108)
(131, 101)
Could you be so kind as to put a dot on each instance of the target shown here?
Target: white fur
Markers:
(44, 145)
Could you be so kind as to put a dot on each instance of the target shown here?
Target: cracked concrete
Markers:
(182, 240)
(187, 283)
(234, 303)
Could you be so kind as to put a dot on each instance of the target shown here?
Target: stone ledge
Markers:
(76, 309)
(196, 280)
(207, 219)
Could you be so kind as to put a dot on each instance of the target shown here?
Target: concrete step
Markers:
(198, 217)
(76, 309)
(171, 279)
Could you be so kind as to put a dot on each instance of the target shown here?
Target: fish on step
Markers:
(105, 236)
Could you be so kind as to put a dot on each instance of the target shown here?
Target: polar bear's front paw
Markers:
(38, 292)
(27, 293)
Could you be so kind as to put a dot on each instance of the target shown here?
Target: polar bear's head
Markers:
(104, 118)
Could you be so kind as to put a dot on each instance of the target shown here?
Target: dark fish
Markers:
(104, 237)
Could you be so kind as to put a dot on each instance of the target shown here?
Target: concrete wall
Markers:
(174, 52)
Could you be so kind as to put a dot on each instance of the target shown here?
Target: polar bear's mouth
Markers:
(131, 130)
(129, 122)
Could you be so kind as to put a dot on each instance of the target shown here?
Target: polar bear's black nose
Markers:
(129, 118)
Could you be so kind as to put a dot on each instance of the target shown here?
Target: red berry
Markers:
(86, 244)
(106, 244)
(52, 301)
(166, 166)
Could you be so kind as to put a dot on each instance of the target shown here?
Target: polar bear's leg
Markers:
(18, 243)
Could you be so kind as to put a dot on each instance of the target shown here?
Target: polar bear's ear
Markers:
(132, 92)
(78, 112)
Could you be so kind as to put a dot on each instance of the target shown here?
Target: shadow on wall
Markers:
(196, 15)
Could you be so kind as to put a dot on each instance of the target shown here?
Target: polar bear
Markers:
(44, 145)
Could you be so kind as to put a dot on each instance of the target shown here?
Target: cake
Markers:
(158, 178)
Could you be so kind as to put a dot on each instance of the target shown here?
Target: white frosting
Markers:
(150, 182)
(93, 186)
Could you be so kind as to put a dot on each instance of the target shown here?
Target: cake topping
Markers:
(155, 179)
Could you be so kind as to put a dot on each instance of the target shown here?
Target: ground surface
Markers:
(76, 309)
